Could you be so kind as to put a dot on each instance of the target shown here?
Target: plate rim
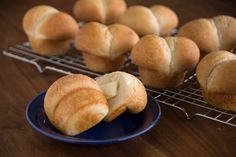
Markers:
(80, 141)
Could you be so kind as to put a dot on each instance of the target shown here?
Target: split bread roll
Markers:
(157, 19)
(75, 103)
(49, 31)
(216, 73)
(103, 11)
(124, 92)
(163, 62)
(217, 33)
(104, 47)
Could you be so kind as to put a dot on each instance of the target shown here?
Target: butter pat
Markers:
(110, 89)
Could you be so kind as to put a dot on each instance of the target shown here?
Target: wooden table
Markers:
(173, 136)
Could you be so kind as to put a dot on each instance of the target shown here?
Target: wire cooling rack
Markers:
(187, 98)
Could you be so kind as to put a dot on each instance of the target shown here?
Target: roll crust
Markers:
(157, 19)
(103, 11)
(166, 18)
(49, 47)
(75, 103)
(217, 33)
(103, 64)
(105, 45)
(162, 59)
(49, 30)
(216, 73)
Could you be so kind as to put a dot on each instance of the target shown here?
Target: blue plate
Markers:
(125, 127)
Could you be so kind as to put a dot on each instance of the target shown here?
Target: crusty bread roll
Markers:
(216, 73)
(75, 103)
(217, 33)
(104, 47)
(49, 30)
(157, 19)
(103, 11)
(124, 92)
(163, 62)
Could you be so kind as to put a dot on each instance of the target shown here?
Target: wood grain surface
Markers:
(173, 136)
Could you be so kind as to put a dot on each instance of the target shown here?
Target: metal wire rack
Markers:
(187, 98)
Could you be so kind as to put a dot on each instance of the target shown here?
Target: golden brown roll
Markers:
(49, 31)
(216, 73)
(75, 103)
(163, 62)
(124, 92)
(104, 47)
(157, 19)
(217, 33)
(103, 11)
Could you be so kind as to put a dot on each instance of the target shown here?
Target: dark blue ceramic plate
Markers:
(125, 127)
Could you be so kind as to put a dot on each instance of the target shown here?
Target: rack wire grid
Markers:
(187, 98)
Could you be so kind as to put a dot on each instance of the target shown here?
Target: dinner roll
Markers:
(124, 92)
(163, 62)
(49, 31)
(75, 103)
(217, 33)
(216, 73)
(104, 47)
(157, 19)
(103, 11)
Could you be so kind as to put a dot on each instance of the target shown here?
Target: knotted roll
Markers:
(124, 92)
(217, 33)
(157, 19)
(163, 62)
(75, 103)
(216, 73)
(103, 11)
(49, 31)
(104, 47)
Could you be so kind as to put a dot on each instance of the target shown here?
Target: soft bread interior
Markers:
(124, 92)
(115, 86)
(110, 89)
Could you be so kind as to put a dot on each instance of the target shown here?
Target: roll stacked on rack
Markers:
(49, 31)
(104, 47)
(163, 62)
(217, 33)
(157, 19)
(216, 74)
(103, 11)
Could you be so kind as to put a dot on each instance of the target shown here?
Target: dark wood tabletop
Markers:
(20, 82)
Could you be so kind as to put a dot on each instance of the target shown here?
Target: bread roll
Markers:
(216, 73)
(49, 31)
(75, 103)
(157, 19)
(124, 92)
(104, 47)
(163, 62)
(103, 11)
(217, 33)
